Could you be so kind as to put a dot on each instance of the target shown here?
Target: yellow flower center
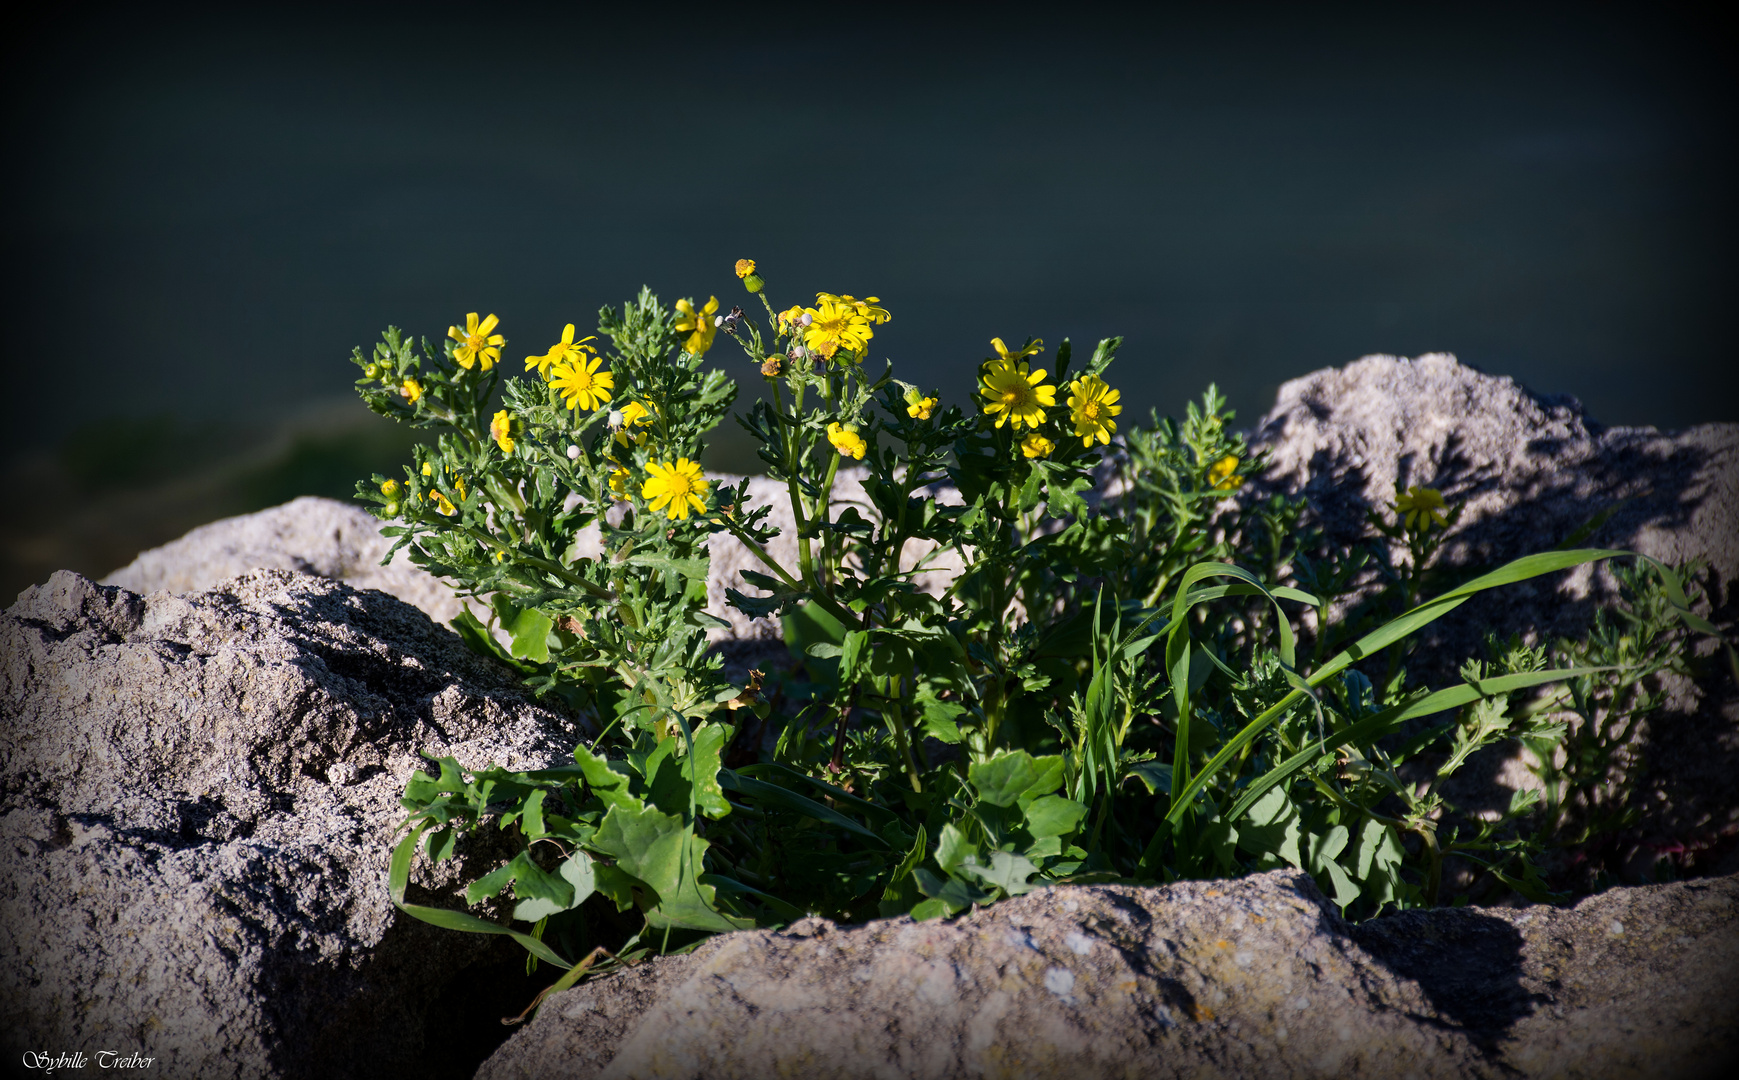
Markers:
(681, 486)
(1091, 410)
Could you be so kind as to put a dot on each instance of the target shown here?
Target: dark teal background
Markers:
(207, 209)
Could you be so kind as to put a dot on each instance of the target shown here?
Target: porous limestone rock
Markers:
(197, 799)
(1531, 471)
(1257, 977)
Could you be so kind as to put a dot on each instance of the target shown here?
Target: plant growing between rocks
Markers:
(1110, 687)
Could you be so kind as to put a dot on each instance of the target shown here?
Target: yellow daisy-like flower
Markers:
(501, 430)
(477, 345)
(411, 391)
(443, 504)
(1420, 508)
(1092, 404)
(679, 486)
(1223, 476)
(1015, 356)
(581, 384)
(835, 324)
(865, 307)
(698, 325)
(633, 415)
(847, 441)
(790, 317)
(920, 407)
(745, 267)
(619, 481)
(567, 350)
(1036, 445)
(1016, 394)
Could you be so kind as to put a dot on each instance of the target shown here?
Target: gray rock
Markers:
(1257, 977)
(310, 535)
(1532, 470)
(197, 797)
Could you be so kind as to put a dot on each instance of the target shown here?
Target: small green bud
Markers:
(753, 283)
(372, 371)
(392, 509)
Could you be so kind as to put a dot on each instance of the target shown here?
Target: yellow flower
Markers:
(411, 390)
(919, 407)
(619, 481)
(865, 307)
(1420, 508)
(499, 556)
(1092, 404)
(1036, 445)
(790, 317)
(1015, 357)
(847, 441)
(582, 384)
(633, 415)
(442, 503)
(459, 483)
(390, 488)
(428, 469)
(1009, 389)
(501, 430)
(567, 350)
(770, 367)
(698, 325)
(835, 324)
(476, 343)
(745, 267)
(1223, 476)
(679, 486)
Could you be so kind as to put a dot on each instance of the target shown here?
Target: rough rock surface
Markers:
(1257, 977)
(197, 794)
(1531, 471)
(310, 535)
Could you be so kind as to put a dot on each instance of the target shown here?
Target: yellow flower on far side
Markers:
(835, 324)
(477, 345)
(566, 350)
(1420, 508)
(442, 503)
(679, 486)
(1223, 476)
(619, 481)
(390, 488)
(847, 441)
(1015, 356)
(865, 307)
(1092, 404)
(411, 391)
(633, 415)
(919, 407)
(1036, 445)
(745, 267)
(698, 325)
(501, 430)
(1016, 394)
(581, 384)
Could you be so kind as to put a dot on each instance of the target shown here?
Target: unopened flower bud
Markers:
(753, 283)
(807, 318)
(392, 509)
(372, 371)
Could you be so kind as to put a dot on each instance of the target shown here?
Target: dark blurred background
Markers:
(207, 209)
